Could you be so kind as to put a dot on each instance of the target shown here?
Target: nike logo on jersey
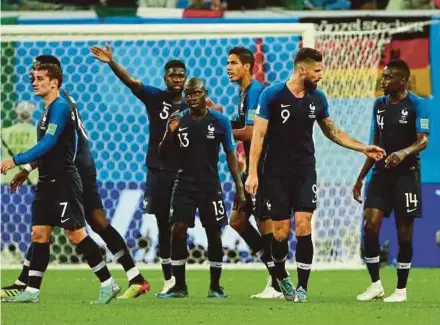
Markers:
(285, 105)
(378, 112)
(182, 129)
(411, 210)
(64, 220)
(218, 219)
(166, 104)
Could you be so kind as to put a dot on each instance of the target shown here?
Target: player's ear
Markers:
(247, 66)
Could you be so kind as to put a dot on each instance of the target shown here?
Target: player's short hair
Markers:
(307, 54)
(174, 64)
(400, 65)
(245, 56)
(53, 72)
(48, 59)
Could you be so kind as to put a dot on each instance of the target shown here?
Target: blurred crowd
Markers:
(221, 4)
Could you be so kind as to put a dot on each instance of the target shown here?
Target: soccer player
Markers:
(59, 196)
(93, 207)
(160, 104)
(239, 67)
(195, 136)
(285, 116)
(401, 127)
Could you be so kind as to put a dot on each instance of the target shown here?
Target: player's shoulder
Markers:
(380, 101)
(61, 103)
(223, 120)
(414, 99)
(274, 90)
(257, 86)
(151, 90)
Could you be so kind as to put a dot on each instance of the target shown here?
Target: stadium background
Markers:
(117, 126)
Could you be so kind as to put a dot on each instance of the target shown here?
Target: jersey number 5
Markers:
(165, 112)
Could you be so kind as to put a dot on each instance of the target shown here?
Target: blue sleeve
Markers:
(263, 109)
(252, 102)
(59, 115)
(324, 113)
(228, 139)
(422, 116)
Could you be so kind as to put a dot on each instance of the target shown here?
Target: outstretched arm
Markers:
(106, 56)
(338, 136)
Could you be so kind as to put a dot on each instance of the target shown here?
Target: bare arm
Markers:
(244, 134)
(240, 198)
(369, 163)
(106, 56)
(338, 136)
(260, 129)
(397, 157)
(169, 140)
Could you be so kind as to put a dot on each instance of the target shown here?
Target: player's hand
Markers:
(357, 190)
(18, 180)
(5, 165)
(174, 121)
(395, 159)
(101, 54)
(240, 197)
(374, 152)
(210, 104)
(252, 185)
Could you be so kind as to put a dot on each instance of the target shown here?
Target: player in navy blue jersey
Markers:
(93, 207)
(285, 117)
(160, 104)
(401, 127)
(239, 67)
(59, 197)
(195, 136)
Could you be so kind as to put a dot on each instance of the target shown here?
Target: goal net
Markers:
(118, 126)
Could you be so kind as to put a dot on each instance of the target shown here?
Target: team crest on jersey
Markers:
(211, 130)
(312, 108)
(404, 118)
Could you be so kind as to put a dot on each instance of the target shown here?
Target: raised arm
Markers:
(106, 56)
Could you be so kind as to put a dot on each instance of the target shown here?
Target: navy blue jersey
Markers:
(56, 147)
(289, 138)
(198, 148)
(247, 109)
(84, 159)
(398, 125)
(159, 107)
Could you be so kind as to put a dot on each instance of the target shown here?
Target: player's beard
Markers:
(310, 85)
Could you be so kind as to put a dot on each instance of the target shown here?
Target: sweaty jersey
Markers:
(398, 125)
(160, 106)
(198, 146)
(290, 148)
(56, 147)
(246, 111)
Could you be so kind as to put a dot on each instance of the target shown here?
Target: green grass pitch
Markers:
(66, 295)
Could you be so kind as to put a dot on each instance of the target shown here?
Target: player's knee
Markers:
(98, 221)
(265, 226)
(238, 223)
(303, 227)
(281, 233)
(40, 235)
(179, 230)
(370, 227)
(76, 236)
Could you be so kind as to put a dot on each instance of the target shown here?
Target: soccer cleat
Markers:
(287, 288)
(301, 295)
(217, 293)
(269, 292)
(12, 291)
(107, 293)
(168, 284)
(174, 292)
(135, 290)
(399, 295)
(374, 291)
(25, 297)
